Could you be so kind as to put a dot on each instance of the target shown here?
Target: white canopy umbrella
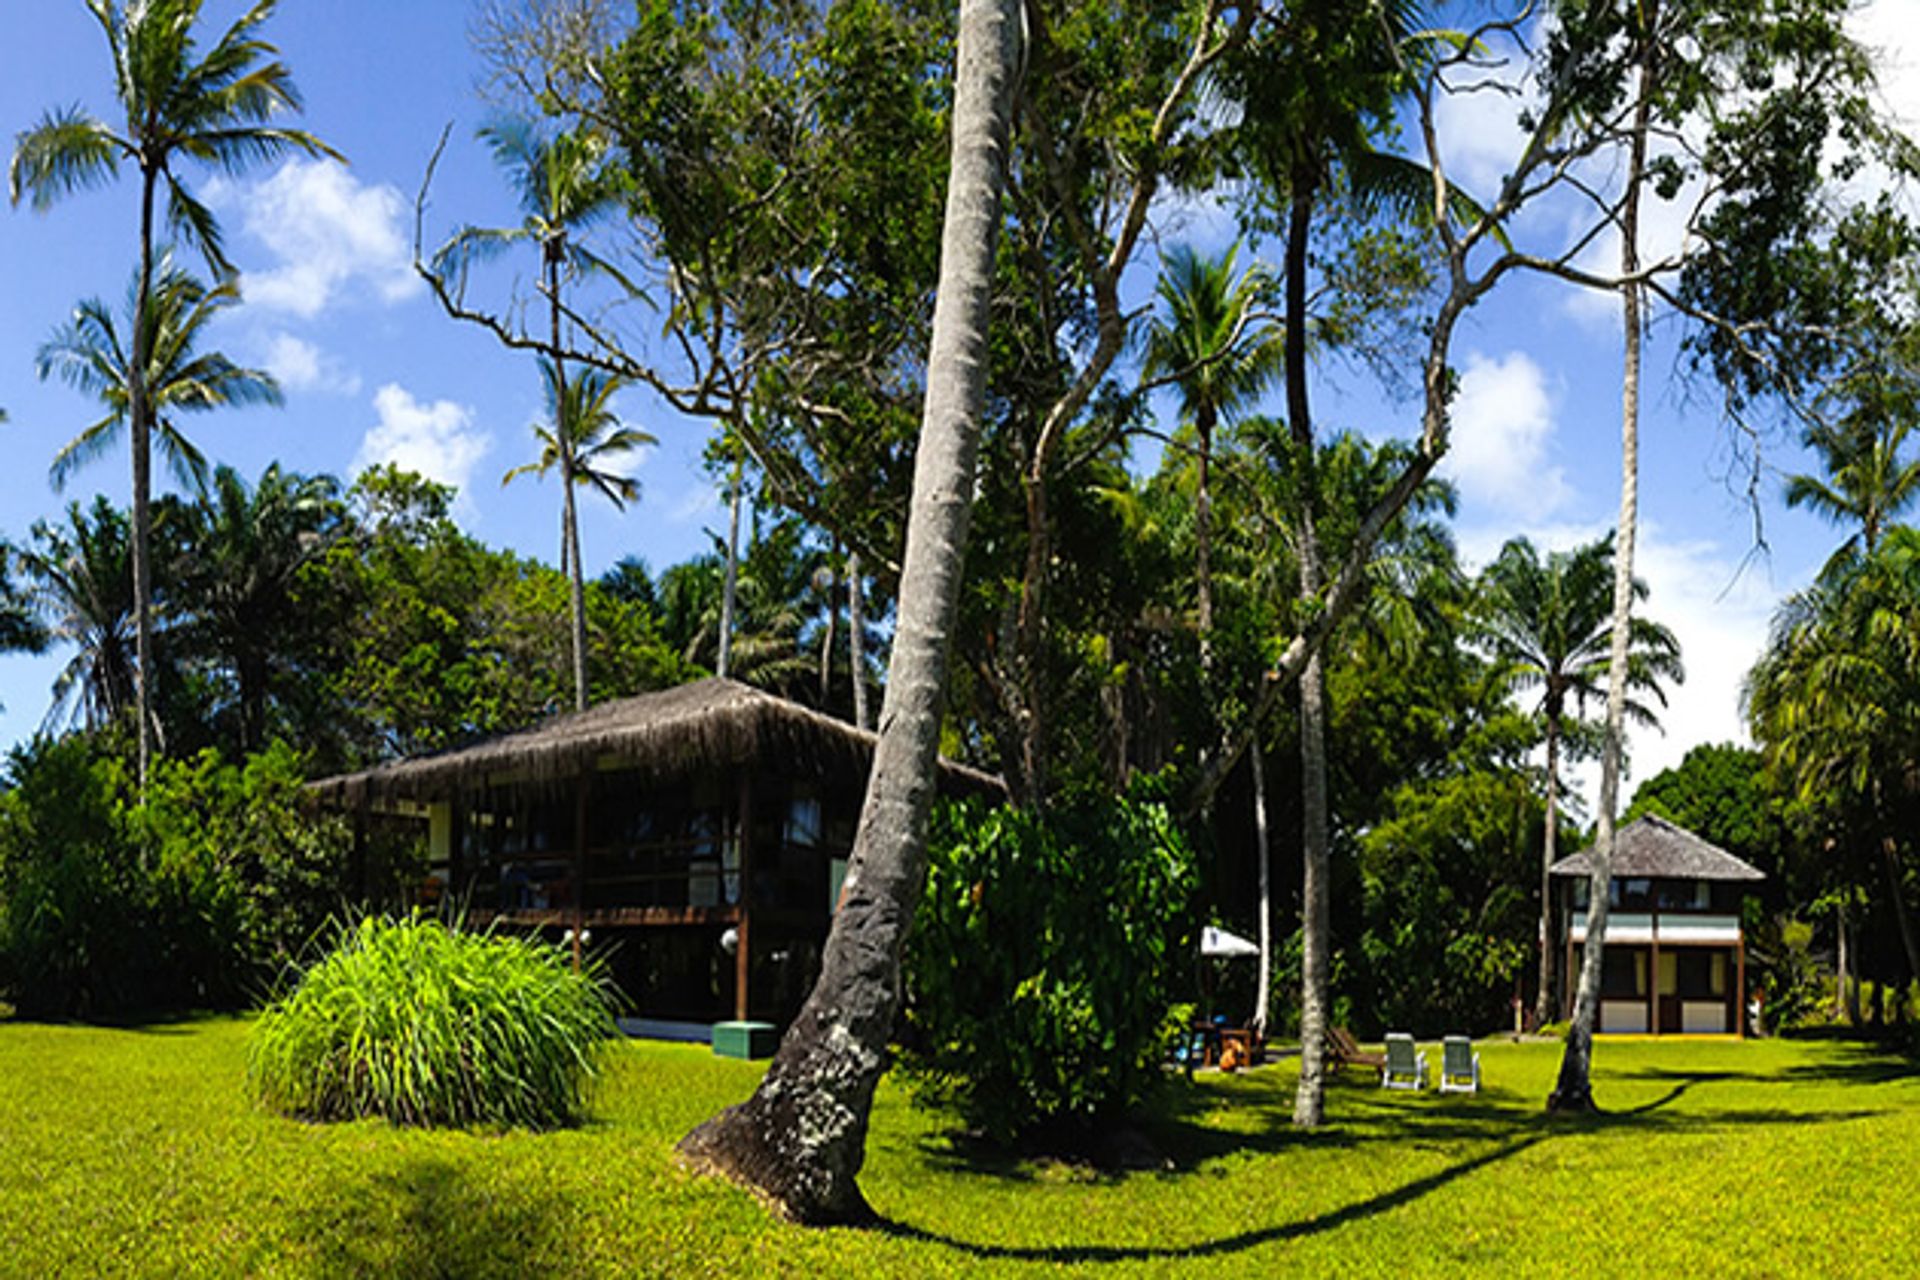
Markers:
(1218, 942)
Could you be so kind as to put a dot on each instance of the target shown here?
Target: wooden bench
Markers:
(1344, 1051)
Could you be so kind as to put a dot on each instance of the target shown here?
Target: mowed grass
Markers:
(136, 1152)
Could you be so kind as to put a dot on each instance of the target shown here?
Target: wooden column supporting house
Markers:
(1653, 980)
(357, 860)
(742, 954)
(1740, 988)
(458, 890)
(581, 790)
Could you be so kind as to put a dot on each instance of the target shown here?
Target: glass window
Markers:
(1623, 973)
(803, 821)
(1630, 894)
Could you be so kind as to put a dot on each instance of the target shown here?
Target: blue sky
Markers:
(372, 370)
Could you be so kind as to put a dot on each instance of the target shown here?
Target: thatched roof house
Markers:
(699, 835)
(708, 726)
(1652, 848)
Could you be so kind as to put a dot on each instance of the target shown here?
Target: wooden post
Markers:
(1740, 985)
(459, 891)
(742, 959)
(357, 862)
(1653, 979)
(581, 790)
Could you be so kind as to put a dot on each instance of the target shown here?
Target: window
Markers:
(1630, 894)
(1623, 973)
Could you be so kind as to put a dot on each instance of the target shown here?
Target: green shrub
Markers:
(114, 908)
(1043, 965)
(427, 1025)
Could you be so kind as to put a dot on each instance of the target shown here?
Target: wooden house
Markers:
(1676, 956)
(696, 837)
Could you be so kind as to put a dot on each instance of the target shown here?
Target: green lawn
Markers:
(137, 1152)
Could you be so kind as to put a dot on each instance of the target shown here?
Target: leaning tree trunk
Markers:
(1543, 1004)
(1574, 1090)
(799, 1140)
(857, 641)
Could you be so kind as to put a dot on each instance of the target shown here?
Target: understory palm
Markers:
(78, 580)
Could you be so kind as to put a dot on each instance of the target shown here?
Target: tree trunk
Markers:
(1543, 1004)
(1203, 424)
(857, 641)
(833, 617)
(569, 515)
(1309, 1101)
(140, 438)
(799, 1140)
(1846, 996)
(1574, 1090)
(725, 661)
(1263, 984)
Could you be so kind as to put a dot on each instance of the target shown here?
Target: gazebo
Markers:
(1676, 955)
(698, 835)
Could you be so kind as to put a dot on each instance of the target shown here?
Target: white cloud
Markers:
(299, 365)
(1502, 426)
(437, 440)
(325, 233)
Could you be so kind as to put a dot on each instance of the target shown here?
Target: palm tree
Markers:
(1550, 624)
(1211, 344)
(1869, 484)
(244, 549)
(1319, 89)
(1835, 701)
(79, 580)
(213, 110)
(583, 435)
(564, 184)
(91, 354)
(800, 1139)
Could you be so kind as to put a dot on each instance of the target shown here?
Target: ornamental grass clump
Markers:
(427, 1025)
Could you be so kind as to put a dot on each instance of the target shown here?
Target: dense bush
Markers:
(114, 908)
(1043, 966)
(426, 1025)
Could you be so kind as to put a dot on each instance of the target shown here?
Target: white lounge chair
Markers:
(1406, 1066)
(1459, 1066)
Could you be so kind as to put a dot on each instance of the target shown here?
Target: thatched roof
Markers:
(1651, 848)
(706, 726)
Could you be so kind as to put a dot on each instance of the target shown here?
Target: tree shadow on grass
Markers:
(1511, 1127)
(428, 1218)
(1358, 1211)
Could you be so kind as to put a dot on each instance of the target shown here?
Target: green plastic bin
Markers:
(744, 1039)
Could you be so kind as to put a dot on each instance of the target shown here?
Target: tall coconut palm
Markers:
(1549, 622)
(581, 438)
(800, 1139)
(564, 184)
(174, 106)
(1319, 90)
(94, 353)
